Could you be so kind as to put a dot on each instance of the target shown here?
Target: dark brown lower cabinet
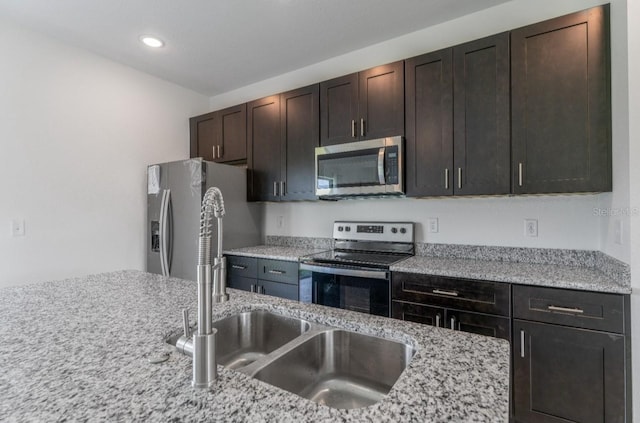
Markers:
(270, 277)
(466, 321)
(564, 374)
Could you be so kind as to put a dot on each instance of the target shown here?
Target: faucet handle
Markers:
(185, 323)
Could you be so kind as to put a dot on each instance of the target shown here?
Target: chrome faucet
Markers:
(202, 346)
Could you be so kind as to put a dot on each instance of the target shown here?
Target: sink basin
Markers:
(246, 337)
(339, 369)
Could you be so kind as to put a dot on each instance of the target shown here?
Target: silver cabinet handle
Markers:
(353, 128)
(213, 151)
(459, 178)
(275, 189)
(362, 127)
(218, 150)
(520, 174)
(442, 292)
(566, 309)
(453, 322)
(446, 178)
(438, 320)
(282, 187)
(253, 288)
(236, 266)
(277, 272)
(522, 343)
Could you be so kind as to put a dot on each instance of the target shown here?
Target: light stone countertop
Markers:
(274, 252)
(549, 275)
(77, 349)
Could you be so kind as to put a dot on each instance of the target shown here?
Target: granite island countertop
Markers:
(540, 274)
(78, 349)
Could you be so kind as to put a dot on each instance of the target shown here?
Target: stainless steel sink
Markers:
(330, 366)
(246, 337)
(339, 369)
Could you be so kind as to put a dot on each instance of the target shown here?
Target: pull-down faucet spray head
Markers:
(204, 358)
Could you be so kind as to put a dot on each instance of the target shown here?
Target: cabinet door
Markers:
(418, 313)
(561, 106)
(300, 127)
(564, 374)
(231, 136)
(482, 157)
(482, 324)
(429, 120)
(339, 110)
(381, 96)
(263, 136)
(202, 136)
(245, 284)
(277, 289)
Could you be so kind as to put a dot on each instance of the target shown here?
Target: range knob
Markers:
(347, 228)
(394, 230)
(403, 230)
(340, 229)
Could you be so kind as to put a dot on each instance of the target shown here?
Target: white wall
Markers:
(76, 134)
(564, 221)
(634, 159)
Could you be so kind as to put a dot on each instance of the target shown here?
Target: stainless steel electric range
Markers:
(355, 274)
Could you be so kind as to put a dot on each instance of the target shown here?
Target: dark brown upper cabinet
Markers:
(429, 116)
(561, 106)
(481, 137)
(283, 132)
(300, 128)
(263, 141)
(457, 103)
(220, 136)
(363, 105)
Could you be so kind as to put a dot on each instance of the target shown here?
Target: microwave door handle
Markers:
(381, 166)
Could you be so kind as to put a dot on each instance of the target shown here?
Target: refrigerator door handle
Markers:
(163, 232)
(169, 233)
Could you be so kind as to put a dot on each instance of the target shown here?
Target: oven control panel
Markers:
(374, 231)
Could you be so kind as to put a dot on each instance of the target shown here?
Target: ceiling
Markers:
(214, 46)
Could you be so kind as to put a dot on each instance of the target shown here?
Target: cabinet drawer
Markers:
(461, 294)
(417, 313)
(278, 271)
(581, 309)
(482, 324)
(246, 267)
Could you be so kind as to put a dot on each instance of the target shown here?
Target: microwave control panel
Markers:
(391, 165)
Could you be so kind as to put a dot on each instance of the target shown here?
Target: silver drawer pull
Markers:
(236, 266)
(277, 272)
(438, 320)
(441, 292)
(522, 343)
(566, 309)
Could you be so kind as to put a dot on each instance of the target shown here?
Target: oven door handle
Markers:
(357, 273)
(381, 177)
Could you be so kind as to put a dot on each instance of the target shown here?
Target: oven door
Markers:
(363, 290)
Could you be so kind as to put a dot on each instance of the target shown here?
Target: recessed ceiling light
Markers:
(151, 41)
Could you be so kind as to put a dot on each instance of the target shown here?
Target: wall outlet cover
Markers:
(531, 227)
(433, 225)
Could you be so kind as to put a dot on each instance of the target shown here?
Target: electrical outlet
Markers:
(433, 225)
(280, 222)
(17, 227)
(531, 227)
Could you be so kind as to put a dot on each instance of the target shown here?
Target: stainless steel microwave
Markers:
(373, 167)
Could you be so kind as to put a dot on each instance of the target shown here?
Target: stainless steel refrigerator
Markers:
(174, 197)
